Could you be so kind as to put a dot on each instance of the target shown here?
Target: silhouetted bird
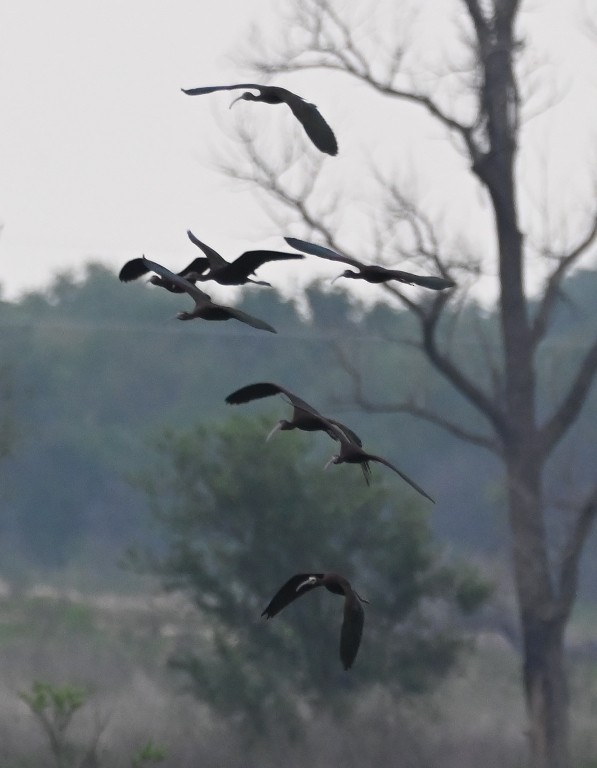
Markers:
(307, 114)
(236, 272)
(304, 416)
(205, 308)
(136, 268)
(370, 272)
(351, 453)
(354, 616)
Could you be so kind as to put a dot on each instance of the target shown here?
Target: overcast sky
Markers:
(102, 157)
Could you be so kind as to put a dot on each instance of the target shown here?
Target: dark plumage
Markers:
(204, 308)
(307, 114)
(354, 616)
(371, 273)
(350, 453)
(236, 272)
(136, 268)
(304, 416)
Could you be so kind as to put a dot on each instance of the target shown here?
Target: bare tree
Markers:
(482, 104)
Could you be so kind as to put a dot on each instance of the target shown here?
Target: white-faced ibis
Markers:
(136, 268)
(205, 308)
(371, 273)
(236, 272)
(304, 416)
(354, 616)
(307, 114)
(351, 453)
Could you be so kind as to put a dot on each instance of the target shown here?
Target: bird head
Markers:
(246, 96)
(307, 583)
(346, 273)
(185, 316)
(283, 424)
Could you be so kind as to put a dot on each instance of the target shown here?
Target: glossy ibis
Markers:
(304, 416)
(371, 273)
(205, 308)
(351, 453)
(136, 268)
(307, 114)
(354, 616)
(236, 272)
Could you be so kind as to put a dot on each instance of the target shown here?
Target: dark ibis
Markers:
(204, 308)
(371, 273)
(354, 615)
(351, 453)
(136, 268)
(304, 416)
(307, 114)
(236, 272)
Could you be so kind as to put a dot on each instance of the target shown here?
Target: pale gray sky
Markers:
(102, 157)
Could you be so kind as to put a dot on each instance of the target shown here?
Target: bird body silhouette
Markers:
(307, 114)
(354, 616)
(304, 416)
(236, 272)
(371, 273)
(204, 308)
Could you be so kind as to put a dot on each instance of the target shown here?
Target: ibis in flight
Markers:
(236, 272)
(304, 416)
(307, 114)
(354, 615)
(371, 273)
(204, 308)
(136, 268)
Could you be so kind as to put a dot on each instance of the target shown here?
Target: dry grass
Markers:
(117, 646)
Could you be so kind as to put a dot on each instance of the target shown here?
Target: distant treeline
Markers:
(92, 371)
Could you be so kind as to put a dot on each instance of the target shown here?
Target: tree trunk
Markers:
(546, 692)
(542, 623)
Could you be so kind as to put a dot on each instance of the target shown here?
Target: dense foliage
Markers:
(239, 516)
(93, 369)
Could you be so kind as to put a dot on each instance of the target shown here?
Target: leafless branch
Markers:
(571, 404)
(572, 551)
(456, 375)
(408, 406)
(554, 282)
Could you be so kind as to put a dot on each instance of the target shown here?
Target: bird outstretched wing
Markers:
(406, 478)
(199, 296)
(322, 252)
(434, 283)
(132, 270)
(213, 88)
(244, 317)
(251, 260)
(213, 257)
(351, 632)
(315, 126)
(294, 587)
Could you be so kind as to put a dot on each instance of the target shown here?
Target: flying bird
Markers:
(354, 616)
(307, 114)
(371, 273)
(236, 272)
(304, 416)
(204, 308)
(351, 453)
(136, 268)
